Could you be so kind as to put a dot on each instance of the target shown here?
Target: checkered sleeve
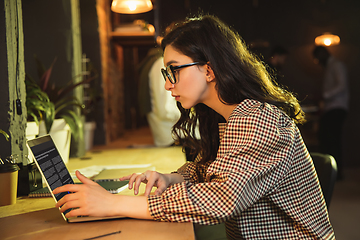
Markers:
(254, 155)
(188, 171)
(191, 170)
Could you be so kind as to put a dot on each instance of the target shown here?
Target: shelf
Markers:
(133, 38)
(134, 34)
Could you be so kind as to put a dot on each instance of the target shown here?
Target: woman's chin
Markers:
(186, 106)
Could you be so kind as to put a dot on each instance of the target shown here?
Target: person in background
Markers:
(334, 106)
(253, 171)
(157, 105)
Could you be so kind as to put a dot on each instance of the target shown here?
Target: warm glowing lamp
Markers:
(131, 6)
(327, 39)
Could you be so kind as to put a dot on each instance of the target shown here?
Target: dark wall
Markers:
(47, 34)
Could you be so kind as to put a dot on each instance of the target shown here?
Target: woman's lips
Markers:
(177, 97)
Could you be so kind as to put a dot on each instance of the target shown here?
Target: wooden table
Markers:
(37, 218)
(48, 224)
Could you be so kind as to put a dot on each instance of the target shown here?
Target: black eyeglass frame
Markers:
(171, 77)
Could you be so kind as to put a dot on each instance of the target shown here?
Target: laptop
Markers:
(54, 172)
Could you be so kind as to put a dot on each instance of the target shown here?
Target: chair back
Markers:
(326, 169)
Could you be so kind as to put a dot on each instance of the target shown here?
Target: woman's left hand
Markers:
(152, 179)
(87, 199)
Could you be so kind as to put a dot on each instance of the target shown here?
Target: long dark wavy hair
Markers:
(239, 75)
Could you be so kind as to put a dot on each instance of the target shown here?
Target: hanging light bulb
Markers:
(131, 6)
(327, 39)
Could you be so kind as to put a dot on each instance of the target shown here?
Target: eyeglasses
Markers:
(169, 71)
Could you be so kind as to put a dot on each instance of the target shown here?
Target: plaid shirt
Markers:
(262, 184)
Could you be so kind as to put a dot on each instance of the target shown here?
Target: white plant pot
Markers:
(32, 130)
(89, 129)
(61, 134)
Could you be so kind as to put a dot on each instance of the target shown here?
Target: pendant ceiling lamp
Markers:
(327, 39)
(131, 6)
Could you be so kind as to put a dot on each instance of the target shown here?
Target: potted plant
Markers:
(38, 106)
(53, 107)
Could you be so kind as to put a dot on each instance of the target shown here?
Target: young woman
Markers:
(253, 170)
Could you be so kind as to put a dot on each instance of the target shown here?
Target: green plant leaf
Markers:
(67, 103)
(75, 124)
(5, 134)
(71, 86)
(44, 74)
(49, 116)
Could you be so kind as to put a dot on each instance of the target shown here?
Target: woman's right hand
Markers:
(152, 179)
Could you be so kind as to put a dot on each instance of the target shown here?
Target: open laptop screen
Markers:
(53, 169)
(51, 164)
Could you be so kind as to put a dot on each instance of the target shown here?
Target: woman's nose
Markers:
(168, 85)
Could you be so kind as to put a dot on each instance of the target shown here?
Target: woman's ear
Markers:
(210, 76)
